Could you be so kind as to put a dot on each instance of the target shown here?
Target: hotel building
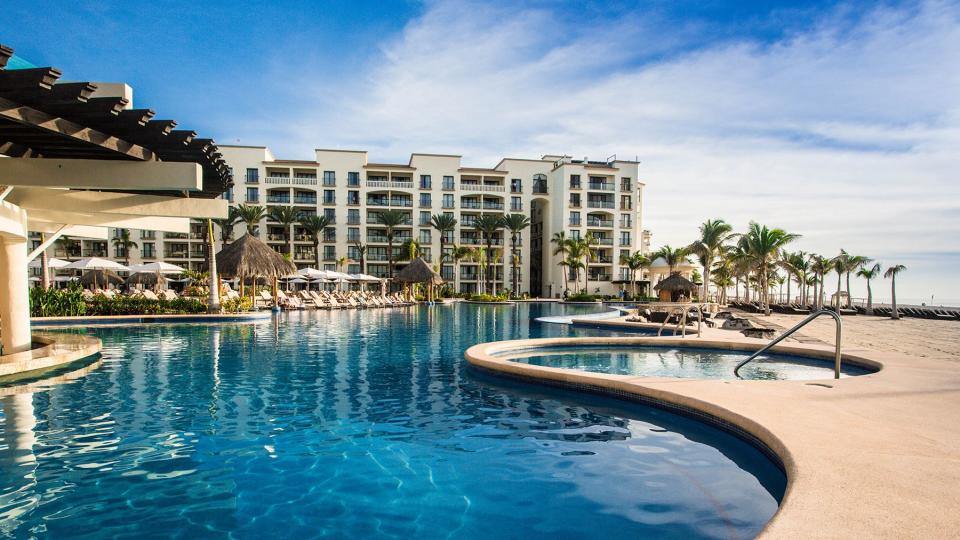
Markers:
(558, 193)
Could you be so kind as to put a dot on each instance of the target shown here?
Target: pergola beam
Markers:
(101, 174)
(38, 219)
(120, 204)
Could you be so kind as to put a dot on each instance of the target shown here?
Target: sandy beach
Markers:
(917, 337)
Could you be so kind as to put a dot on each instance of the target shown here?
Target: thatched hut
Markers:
(672, 288)
(149, 279)
(418, 271)
(100, 278)
(248, 257)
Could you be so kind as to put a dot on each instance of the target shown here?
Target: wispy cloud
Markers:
(845, 132)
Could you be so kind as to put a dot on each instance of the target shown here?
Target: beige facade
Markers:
(558, 193)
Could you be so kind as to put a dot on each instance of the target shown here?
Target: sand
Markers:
(914, 337)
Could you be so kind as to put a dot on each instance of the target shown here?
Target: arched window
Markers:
(540, 183)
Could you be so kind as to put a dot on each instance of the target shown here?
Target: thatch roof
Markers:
(146, 278)
(418, 271)
(250, 257)
(675, 282)
(101, 277)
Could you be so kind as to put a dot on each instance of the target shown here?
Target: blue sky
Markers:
(839, 121)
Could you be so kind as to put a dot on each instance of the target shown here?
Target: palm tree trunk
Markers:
(489, 272)
(390, 257)
(316, 250)
(839, 278)
(766, 292)
(44, 270)
(869, 299)
(893, 297)
(849, 298)
(586, 272)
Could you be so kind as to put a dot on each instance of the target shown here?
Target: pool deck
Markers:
(872, 456)
(54, 350)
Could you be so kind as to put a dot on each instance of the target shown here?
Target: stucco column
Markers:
(14, 296)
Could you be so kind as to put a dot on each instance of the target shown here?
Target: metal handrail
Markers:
(812, 316)
(682, 320)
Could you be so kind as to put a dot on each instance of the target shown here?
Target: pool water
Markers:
(649, 361)
(358, 424)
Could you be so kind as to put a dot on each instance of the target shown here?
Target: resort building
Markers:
(558, 194)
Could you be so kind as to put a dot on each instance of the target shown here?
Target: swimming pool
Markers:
(359, 424)
(683, 362)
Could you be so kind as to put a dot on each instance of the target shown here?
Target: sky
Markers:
(836, 121)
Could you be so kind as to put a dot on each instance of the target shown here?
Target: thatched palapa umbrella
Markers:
(100, 277)
(672, 287)
(248, 257)
(418, 271)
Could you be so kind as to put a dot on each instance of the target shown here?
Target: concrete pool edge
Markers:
(840, 442)
(56, 350)
(177, 318)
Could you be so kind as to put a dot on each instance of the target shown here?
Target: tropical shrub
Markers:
(237, 304)
(583, 297)
(131, 305)
(484, 297)
(67, 302)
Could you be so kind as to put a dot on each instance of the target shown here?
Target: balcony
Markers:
(600, 204)
(276, 238)
(198, 255)
(375, 220)
(602, 186)
(602, 241)
(94, 253)
(304, 255)
(604, 260)
(175, 236)
(176, 254)
(278, 199)
(312, 201)
(478, 188)
(197, 235)
(386, 184)
(296, 181)
(599, 277)
(592, 222)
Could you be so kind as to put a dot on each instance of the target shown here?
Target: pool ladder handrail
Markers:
(801, 324)
(682, 311)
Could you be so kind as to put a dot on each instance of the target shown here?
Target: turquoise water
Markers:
(357, 424)
(681, 362)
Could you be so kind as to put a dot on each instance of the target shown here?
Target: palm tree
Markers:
(458, 253)
(361, 256)
(868, 274)
(123, 242)
(488, 225)
(479, 256)
(390, 220)
(795, 265)
(515, 223)
(819, 265)
(341, 262)
(562, 244)
(286, 216)
(444, 224)
(410, 249)
(588, 254)
(252, 215)
(574, 263)
(714, 233)
(226, 224)
(315, 225)
(839, 265)
(891, 273)
(634, 262)
(764, 247)
(673, 257)
(69, 245)
(854, 263)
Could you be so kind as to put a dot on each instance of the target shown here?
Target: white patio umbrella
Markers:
(52, 262)
(96, 263)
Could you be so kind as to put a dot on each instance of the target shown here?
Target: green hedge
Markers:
(484, 297)
(69, 302)
(66, 302)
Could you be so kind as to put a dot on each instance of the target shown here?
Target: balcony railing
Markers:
(94, 253)
(276, 238)
(375, 220)
(603, 241)
(176, 236)
(305, 200)
(278, 199)
(602, 186)
(481, 188)
(386, 184)
(599, 222)
(295, 181)
(600, 204)
(599, 277)
(177, 254)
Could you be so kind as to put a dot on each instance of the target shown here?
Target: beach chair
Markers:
(265, 298)
(149, 295)
(169, 295)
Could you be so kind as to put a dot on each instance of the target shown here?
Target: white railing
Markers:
(288, 180)
(389, 185)
(482, 187)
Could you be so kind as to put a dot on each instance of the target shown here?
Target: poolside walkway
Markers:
(874, 456)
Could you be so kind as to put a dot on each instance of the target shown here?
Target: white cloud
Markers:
(846, 134)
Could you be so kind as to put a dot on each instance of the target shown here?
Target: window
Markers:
(425, 236)
(425, 200)
(119, 251)
(253, 176)
(353, 253)
(625, 184)
(330, 234)
(253, 194)
(424, 218)
(425, 182)
(516, 204)
(624, 253)
(540, 183)
(448, 201)
(329, 253)
(148, 250)
(575, 200)
(329, 178)
(516, 185)
(353, 179)
(353, 268)
(448, 182)
(626, 202)
(353, 235)
(228, 195)
(330, 214)
(575, 234)
(353, 197)
(574, 219)
(625, 238)
(148, 235)
(353, 216)
(574, 181)
(329, 196)
(626, 221)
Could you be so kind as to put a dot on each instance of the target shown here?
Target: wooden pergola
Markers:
(80, 159)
